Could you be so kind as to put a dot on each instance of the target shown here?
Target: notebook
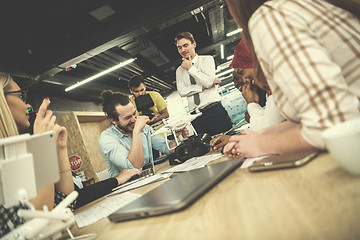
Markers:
(176, 194)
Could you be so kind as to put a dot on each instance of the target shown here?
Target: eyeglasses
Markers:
(238, 78)
(239, 82)
(22, 96)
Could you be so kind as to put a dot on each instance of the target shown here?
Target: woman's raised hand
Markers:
(45, 121)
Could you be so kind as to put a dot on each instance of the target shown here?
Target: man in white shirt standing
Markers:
(195, 79)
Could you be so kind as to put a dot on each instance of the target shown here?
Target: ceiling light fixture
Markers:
(100, 74)
(219, 68)
(222, 51)
(223, 66)
(234, 32)
(225, 72)
(230, 57)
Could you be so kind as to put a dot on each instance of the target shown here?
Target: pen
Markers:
(30, 110)
(208, 145)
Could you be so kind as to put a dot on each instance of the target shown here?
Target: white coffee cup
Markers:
(343, 143)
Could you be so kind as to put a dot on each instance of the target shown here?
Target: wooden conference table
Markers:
(316, 201)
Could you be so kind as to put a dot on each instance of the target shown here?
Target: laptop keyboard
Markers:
(144, 174)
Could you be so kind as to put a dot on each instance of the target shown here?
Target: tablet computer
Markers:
(177, 193)
(290, 160)
(43, 148)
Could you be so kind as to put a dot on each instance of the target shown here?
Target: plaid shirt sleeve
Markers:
(9, 219)
(59, 196)
(310, 53)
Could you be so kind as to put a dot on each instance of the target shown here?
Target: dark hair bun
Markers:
(106, 97)
(110, 100)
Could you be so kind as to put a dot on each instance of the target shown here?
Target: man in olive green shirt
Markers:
(137, 88)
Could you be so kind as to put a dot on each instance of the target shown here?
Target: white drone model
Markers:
(174, 126)
(18, 184)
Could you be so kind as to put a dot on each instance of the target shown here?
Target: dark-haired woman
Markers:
(309, 53)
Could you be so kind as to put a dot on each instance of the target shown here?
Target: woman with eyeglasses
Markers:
(258, 115)
(14, 118)
(243, 77)
(17, 112)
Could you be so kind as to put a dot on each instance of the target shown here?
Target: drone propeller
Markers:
(176, 124)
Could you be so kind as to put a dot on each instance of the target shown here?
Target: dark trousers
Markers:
(214, 120)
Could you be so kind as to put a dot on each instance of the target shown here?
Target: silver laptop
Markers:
(176, 194)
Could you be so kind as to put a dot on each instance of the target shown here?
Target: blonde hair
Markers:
(7, 123)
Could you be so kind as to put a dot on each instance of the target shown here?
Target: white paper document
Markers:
(249, 161)
(104, 209)
(193, 163)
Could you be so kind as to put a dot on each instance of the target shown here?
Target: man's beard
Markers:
(124, 129)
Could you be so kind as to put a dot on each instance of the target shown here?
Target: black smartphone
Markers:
(291, 160)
